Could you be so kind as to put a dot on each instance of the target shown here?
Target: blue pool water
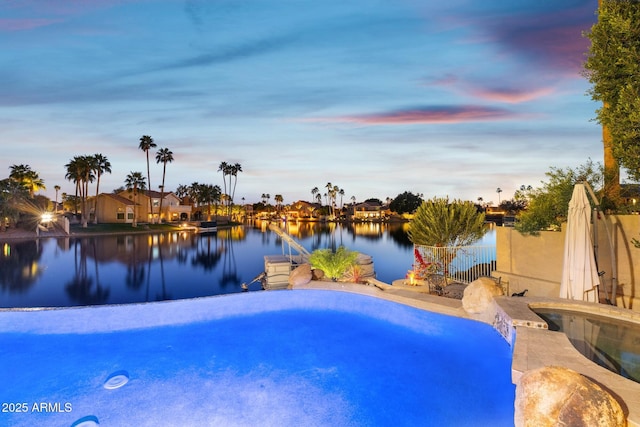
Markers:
(280, 358)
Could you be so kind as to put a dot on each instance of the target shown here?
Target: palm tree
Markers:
(134, 182)
(208, 194)
(498, 190)
(164, 156)
(314, 191)
(18, 172)
(27, 177)
(329, 187)
(234, 172)
(182, 191)
(146, 143)
(80, 170)
(101, 165)
(224, 168)
(278, 199)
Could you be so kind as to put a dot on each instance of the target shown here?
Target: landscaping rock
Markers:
(478, 295)
(301, 275)
(317, 274)
(556, 396)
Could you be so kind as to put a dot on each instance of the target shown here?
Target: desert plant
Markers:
(439, 222)
(334, 264)
(441, 227)
(353, 274)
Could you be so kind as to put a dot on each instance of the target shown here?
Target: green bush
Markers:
(334, 264)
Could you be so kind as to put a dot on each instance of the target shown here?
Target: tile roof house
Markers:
(121, 207)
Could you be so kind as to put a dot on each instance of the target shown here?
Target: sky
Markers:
(451, 98)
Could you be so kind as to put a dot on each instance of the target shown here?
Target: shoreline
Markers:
(12, 235)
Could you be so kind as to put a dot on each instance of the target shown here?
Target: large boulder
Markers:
(301, 275)
(556, 396)
(478, 295)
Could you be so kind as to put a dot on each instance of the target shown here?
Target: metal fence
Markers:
(462, 264)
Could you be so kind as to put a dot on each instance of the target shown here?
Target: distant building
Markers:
(304, 210)
(121, 207)
(367, 211)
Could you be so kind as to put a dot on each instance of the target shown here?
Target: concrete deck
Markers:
(535, 346)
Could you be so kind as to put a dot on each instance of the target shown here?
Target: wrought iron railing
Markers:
(462, 264)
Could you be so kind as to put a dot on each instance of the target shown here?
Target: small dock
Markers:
(277, 268)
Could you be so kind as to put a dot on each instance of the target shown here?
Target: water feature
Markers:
(122, 269)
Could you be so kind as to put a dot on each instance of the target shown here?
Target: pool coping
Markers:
(533, 344)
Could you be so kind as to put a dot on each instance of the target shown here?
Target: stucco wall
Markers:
(535, 262)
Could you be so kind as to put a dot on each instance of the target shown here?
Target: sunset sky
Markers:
(445, 98)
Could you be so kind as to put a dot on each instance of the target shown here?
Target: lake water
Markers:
(120, 269)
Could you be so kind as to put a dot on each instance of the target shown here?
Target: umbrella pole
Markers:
(614, 274)
(594, 221)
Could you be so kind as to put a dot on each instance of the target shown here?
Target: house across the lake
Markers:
(125, 205)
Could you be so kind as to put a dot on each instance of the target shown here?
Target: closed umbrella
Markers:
(579, 271)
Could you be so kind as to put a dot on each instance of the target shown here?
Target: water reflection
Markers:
(19, 268)
(139, 267)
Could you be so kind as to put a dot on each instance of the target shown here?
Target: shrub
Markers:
(438, 222)
(334, 264)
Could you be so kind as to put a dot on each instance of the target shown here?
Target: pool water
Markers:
(611, 343)
(281, 358)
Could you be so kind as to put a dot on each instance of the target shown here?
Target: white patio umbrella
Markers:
(579, 272)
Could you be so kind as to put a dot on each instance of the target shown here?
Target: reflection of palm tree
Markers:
(80, 288)
(135, 276)
(16, 274)
(165, 295)
(135, 270)
(207, 257)
(229, 268)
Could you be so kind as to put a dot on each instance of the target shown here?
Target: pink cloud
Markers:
(510, 95)
(505, 94)
(428, 115)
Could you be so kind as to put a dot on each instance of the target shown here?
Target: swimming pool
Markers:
(302, 357)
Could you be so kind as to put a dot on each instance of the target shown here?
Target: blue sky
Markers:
(449, 98)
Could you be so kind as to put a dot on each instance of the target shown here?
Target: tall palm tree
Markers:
(234, 172)
(101, 165)
(134, 182)
(164, 156)
(224, 168)
(314, 191)
(146, 143)
(329, 187)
